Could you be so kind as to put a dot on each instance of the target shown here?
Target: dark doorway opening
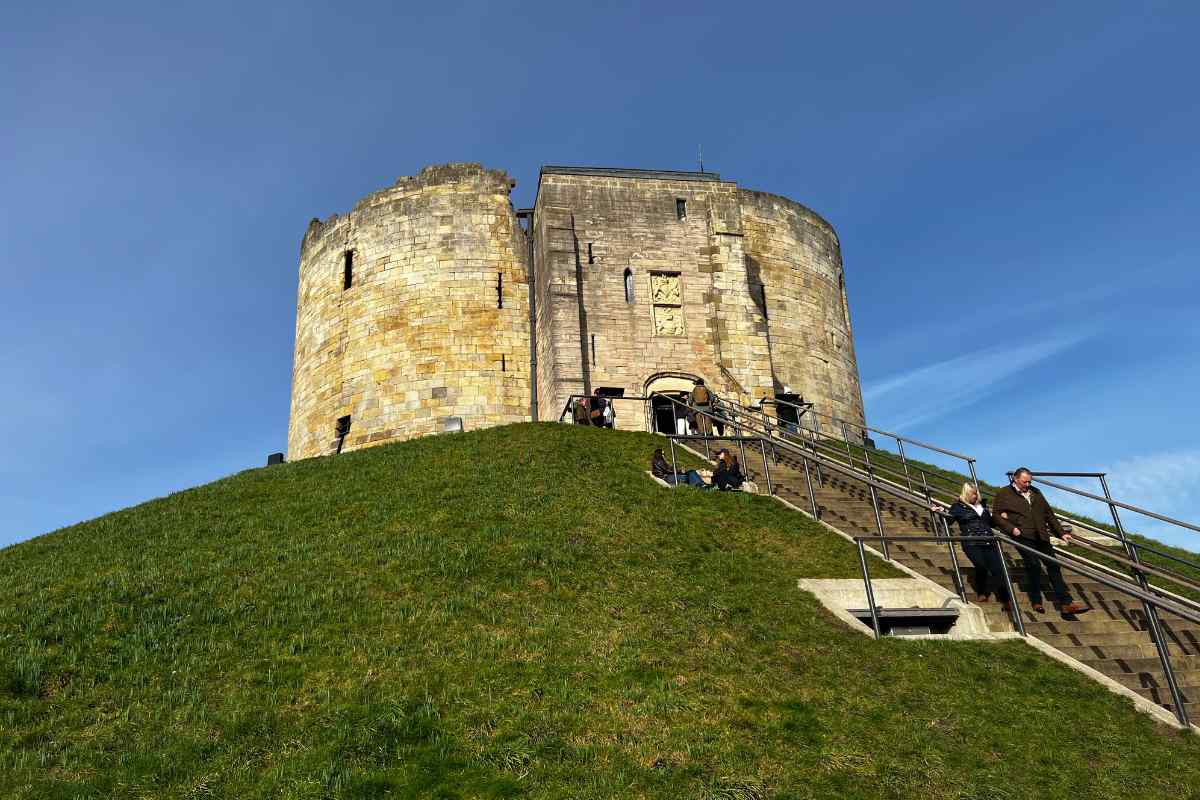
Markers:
(666, 413)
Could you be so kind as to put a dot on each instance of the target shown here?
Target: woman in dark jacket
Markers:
(974, 519)
(728, 474)
(660, 469)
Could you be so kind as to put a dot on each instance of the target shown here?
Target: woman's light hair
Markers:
(967, 490)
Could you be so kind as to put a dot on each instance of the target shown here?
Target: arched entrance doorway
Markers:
(664, 416)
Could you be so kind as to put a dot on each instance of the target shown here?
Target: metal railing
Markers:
(931, 490)
(818, 454)
(1148, 599)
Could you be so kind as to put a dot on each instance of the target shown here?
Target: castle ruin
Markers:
(434, 301)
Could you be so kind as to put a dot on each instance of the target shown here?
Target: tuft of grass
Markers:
(514, 612)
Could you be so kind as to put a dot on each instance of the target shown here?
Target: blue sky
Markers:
(1015, 189)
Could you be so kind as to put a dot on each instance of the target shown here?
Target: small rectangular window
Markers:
(347, 270)
(593, 349)
(503, 363)
(499, 290)
(680, 208)
(591, 255)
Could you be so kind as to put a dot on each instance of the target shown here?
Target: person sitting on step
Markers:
(971, 513)
(1021, 511)
(728, 474)
(660, 469)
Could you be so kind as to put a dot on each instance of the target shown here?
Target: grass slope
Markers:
(516, 612)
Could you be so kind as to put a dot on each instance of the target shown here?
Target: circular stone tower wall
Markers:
(795, 256)
(434, 323)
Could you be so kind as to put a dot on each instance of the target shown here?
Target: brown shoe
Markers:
(1038, 607)
(1073, 608)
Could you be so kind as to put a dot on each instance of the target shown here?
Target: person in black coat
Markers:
(971, 513)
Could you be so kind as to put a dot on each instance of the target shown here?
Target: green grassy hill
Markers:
(516, 612)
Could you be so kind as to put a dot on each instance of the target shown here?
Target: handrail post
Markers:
(1012, 595)
(974, 478)
(929, 502)
(904, 461)
(674, 418)
(874, 501)
(742, 450)
(846, 439)
(1153, 622)
(812, 496)
(674, 466)
(862, 559)
(766, 466)
(958, 579)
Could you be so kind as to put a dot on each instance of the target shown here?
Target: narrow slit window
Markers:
(503, 363)
(347, 269)
(591, 255)
(342, 431)
(680, 208)
(593, 349)
(499, 290)
(628, 285)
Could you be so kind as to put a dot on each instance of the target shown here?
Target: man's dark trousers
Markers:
(1033, 573)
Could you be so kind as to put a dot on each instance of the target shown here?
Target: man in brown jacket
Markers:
(1022, 512)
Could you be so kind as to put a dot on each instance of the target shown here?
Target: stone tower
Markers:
(430, 304)
(413, 309)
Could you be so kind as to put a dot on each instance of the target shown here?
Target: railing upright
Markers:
(674, 466)
(904, 461)
(862, 560)
(846, 439)
(874, 500)
(812, 496)
(1152, 618)
(766, 466)
(959, 586)
(1012, 595)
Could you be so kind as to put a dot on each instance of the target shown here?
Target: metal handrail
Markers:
(1149, 601)
(1108, 500)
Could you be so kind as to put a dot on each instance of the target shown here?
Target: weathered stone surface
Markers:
(745, 290)
(419, 335)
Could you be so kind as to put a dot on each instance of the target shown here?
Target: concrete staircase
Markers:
(1111, 638)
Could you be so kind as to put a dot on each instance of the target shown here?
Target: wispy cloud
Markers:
(1167, 483)
(949, 385)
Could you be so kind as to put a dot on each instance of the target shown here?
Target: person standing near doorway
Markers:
(702, 401)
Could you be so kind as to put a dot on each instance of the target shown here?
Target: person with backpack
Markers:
(702, 402)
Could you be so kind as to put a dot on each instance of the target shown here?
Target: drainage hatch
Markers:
(909, 621)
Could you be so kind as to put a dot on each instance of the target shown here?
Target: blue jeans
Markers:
(689, 478)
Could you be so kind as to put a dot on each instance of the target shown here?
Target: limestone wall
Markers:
(689, 311)
(418, 337)
(795, 258)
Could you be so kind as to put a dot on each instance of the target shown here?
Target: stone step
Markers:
(1104, 641)
(1129, 660)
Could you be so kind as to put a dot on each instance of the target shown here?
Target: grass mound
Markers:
(515, 612)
